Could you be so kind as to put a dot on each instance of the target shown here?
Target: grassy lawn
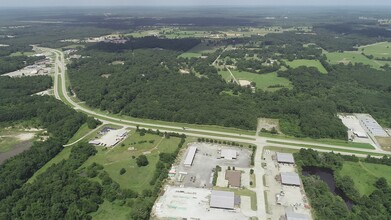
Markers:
(242, 192)
(190, 55)
(63, 155)
(354, 57)
(307, 63)
(111, 210)
(378, 50)
(281, 149)
(365, 175)
(263, 81)
(83, 130)
(135, 178)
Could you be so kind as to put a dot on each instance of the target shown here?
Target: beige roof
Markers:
(233, 177)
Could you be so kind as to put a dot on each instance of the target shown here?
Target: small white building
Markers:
(228, 154)
(190, 156)
(222, 199)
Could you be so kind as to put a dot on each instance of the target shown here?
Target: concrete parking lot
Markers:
(200, 174)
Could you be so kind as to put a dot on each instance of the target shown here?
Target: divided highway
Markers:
(60, 92)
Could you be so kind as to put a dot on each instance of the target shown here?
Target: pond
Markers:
(327, 176)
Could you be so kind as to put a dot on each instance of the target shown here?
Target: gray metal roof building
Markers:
(296, 216)
(371, 124)
(285, 158)
(222, 200)
(290, 178)
(190, 156)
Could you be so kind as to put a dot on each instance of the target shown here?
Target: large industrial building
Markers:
(296, 216)
(285, 158)
(290, 179)
(222, 200)
(371, 125)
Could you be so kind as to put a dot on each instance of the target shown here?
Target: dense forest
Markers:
(16, 105)
(326, 205)
(149, 85)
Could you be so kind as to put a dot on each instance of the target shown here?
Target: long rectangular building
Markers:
(190, 156)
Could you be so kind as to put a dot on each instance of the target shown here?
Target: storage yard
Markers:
(285, 194)
(191, 193)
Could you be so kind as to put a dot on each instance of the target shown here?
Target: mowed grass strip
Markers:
(307, 63)
(112, 210)
(365, 175)
(321, 141)
(263, 81)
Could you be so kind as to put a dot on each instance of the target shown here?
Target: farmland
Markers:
(263, 81)
(379, 50)
(354, 57)
(307, 63)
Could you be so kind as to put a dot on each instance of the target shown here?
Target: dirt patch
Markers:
(25, 136)
(17, 149)
(268, 124)
(385, 143)
(105, 75)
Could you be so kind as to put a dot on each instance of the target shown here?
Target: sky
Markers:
(51, 3)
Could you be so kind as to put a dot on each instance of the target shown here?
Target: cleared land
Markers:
(14, 142)
(263, 81)
(379, 50)
(354, 57)
(135, 178)
(307, 63)
(365, 175)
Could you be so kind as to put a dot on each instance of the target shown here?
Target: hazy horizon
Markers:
(170, 3)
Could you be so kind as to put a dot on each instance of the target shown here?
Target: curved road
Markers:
(61, 94)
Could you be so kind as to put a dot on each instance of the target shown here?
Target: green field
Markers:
(111, 210)
(263, 81)
(198, 50)
(135, 178)
(307, 63)
(365, 175)
(378, 50)
(354, 57)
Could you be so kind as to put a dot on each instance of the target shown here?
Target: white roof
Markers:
(290, 178)
(190, 156)
(228, 154)
(372, 125)
(285, 158)
(296, 216)
(360, 134)
(222, 199)
(112, 137)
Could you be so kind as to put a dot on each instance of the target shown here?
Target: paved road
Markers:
(261, 142)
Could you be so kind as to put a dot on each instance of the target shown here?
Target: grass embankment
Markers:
(321, 141)
(365, 175)
(63, 155)
(111, 210)
(307, 63)
(263, 81)
(326, 148)
(242, 192)
(83, 130)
